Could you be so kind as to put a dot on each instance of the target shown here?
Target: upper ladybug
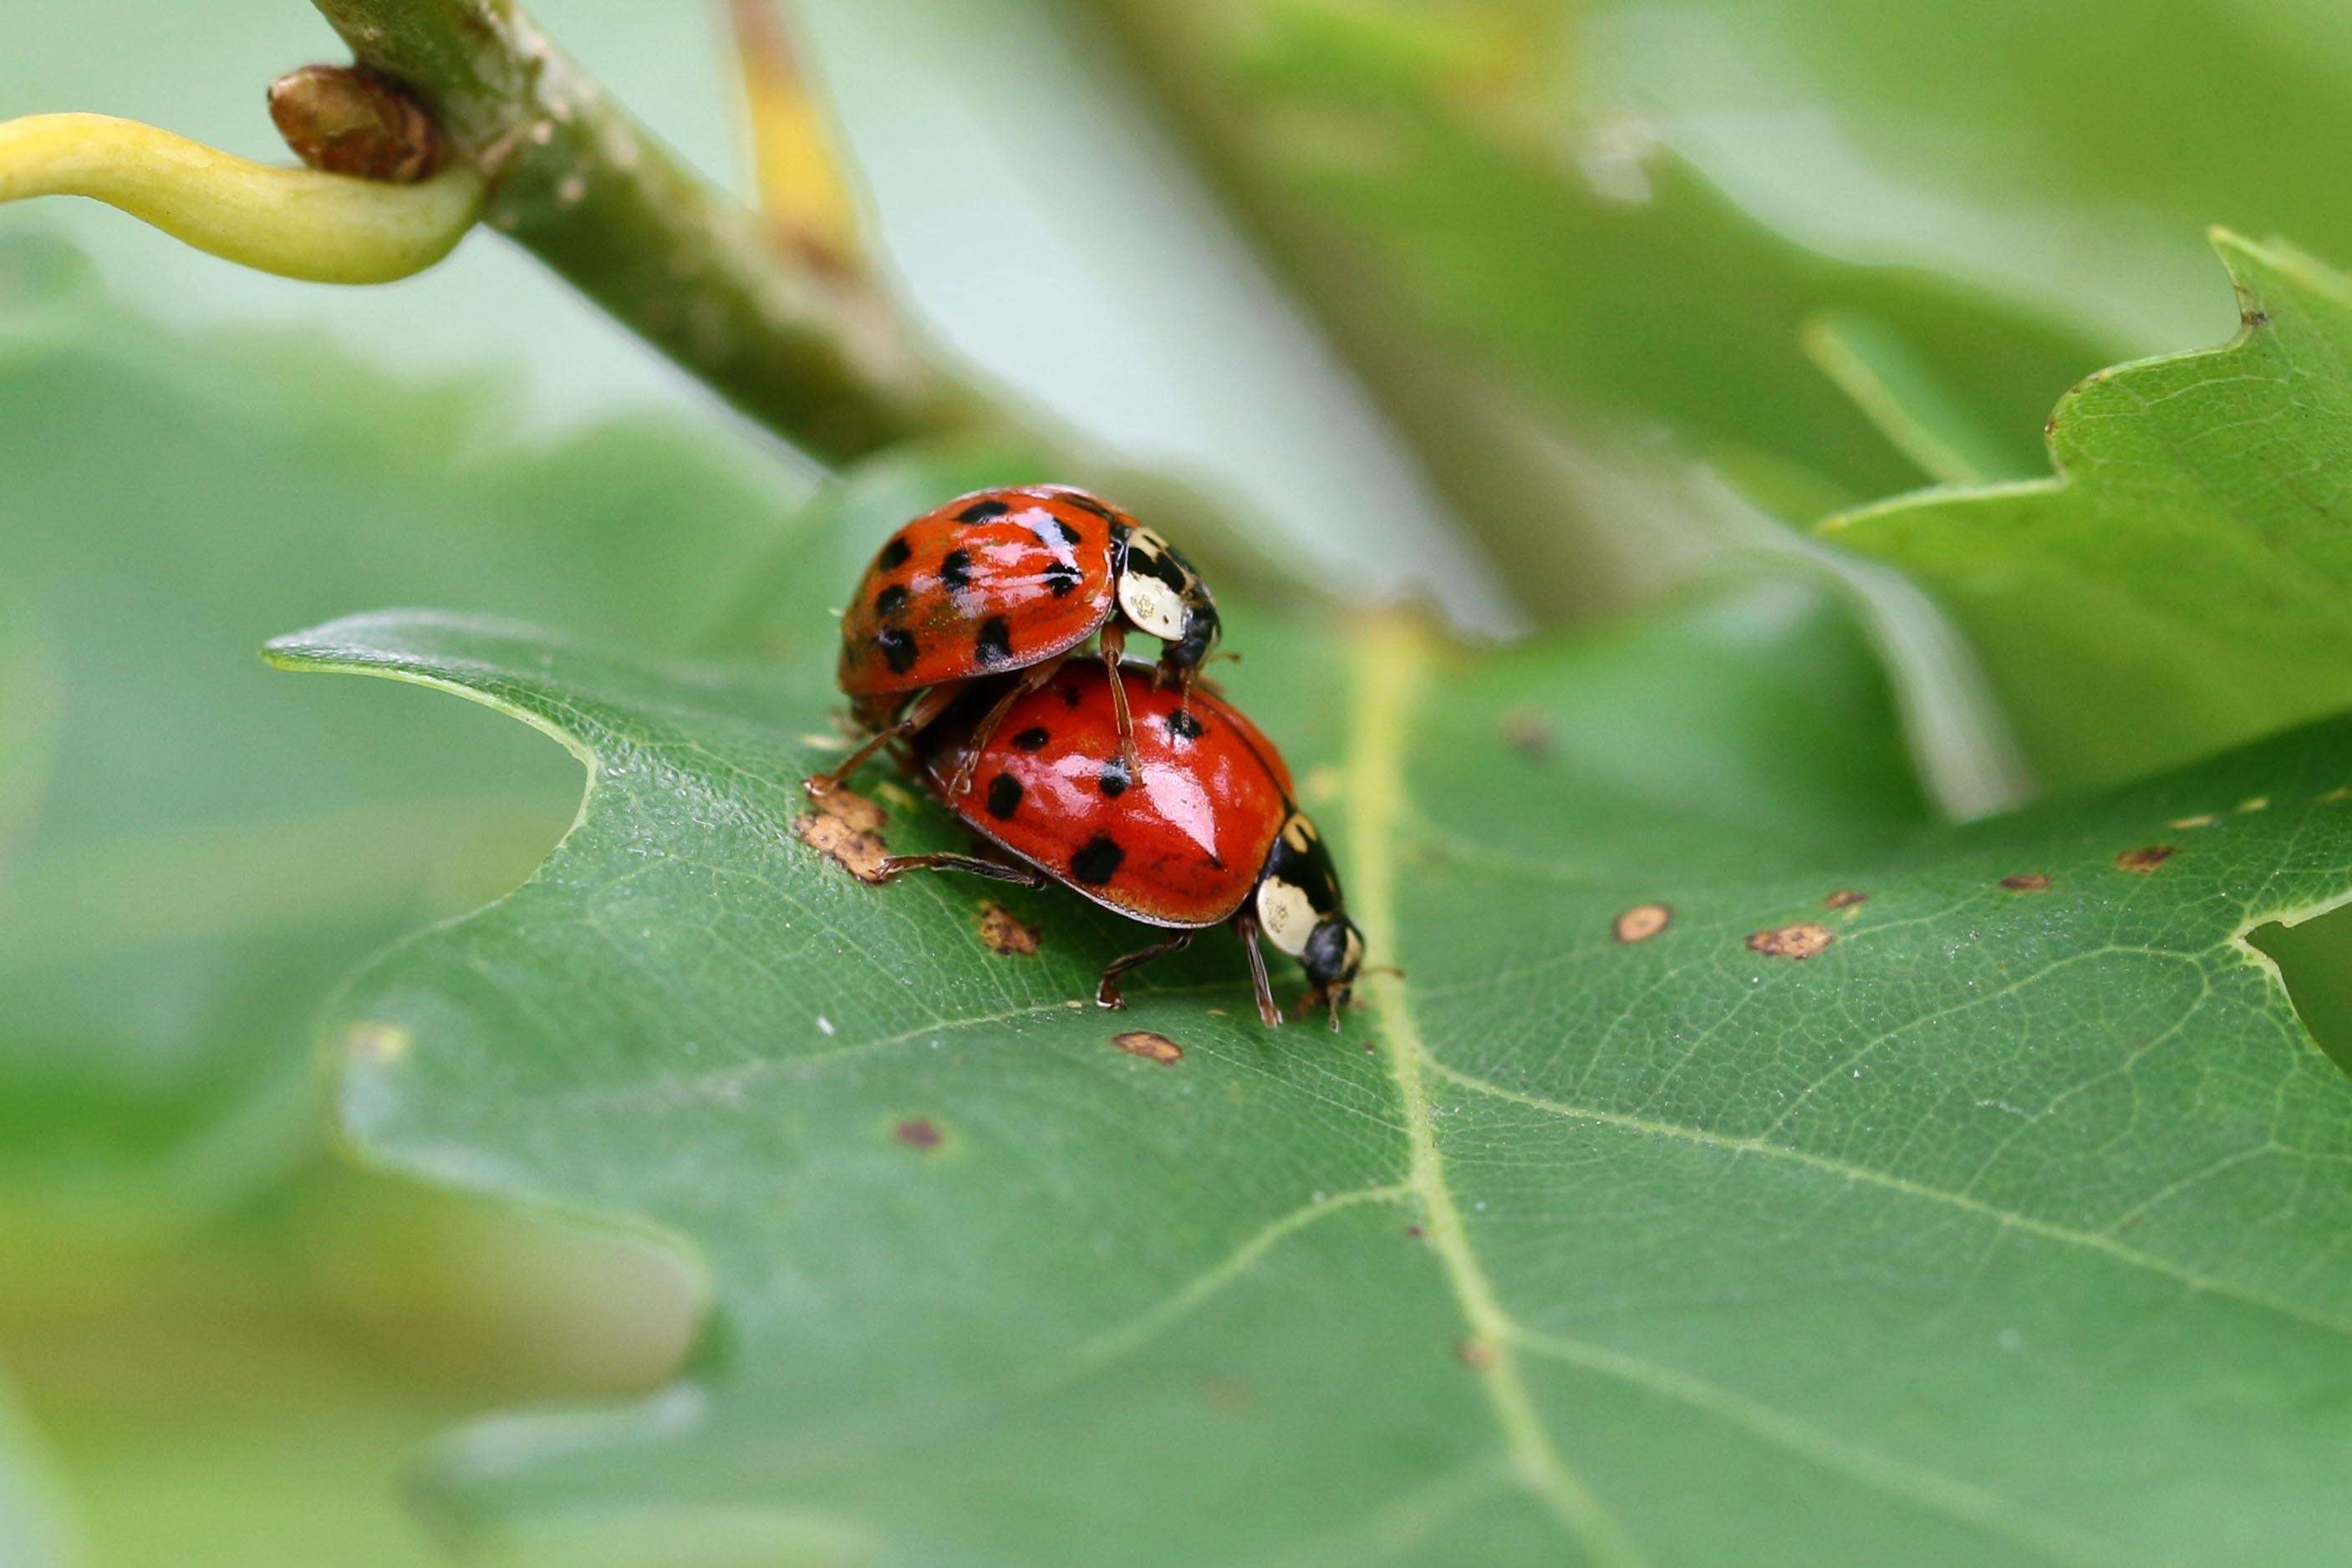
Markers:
(1005, 580)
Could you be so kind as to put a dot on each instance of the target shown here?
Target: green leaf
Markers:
(1476, 234)
(1966, 141)
(251, 1396)
(1910, 405)
(31, 1534)
(2183, 583)
(2005, 1229)
(194, 855)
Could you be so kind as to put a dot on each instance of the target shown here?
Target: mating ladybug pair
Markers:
(1131, 784)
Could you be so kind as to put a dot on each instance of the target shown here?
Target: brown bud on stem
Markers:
(348, 121)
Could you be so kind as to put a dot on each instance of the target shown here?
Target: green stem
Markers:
(823, 360)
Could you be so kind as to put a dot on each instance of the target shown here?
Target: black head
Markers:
(1299, 908)
(1202, 630)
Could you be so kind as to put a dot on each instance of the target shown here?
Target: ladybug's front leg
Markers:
(927, 705)
(1035, 675)
(1107, 989)
(1268, 1010)
(1114, 648)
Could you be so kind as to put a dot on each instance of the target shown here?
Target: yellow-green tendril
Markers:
(300, 223)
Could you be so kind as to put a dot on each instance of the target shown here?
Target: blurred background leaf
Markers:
(206, 858)
(194, 862)
(2072, 156)
(255, 1394)
(1457, 213)
(2183, 583)
(32, 1535)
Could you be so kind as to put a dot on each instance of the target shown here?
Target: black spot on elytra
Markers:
(1060, 578)
(890, 600)
(897, 649)
(1070, 693)
(1003, 796)
(981, 511)
(894, 555)
(955, 568)
(1183, 726)
(1069, 535)
(1097, 862)
(995, 644)
(1114, 779)
(1085, 503)
(1031, 739)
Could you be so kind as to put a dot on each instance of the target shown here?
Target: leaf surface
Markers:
(2003, 1227)
(2184, 581)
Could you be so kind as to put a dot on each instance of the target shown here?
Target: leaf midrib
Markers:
(1391, 659)
(1391, 656)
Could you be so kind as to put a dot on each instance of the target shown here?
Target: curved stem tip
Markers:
(298, 223)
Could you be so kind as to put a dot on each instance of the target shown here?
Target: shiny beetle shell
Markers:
(1179, 843)
(992, 581)
(1004, 579)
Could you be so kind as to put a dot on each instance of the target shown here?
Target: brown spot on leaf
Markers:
(1476, 1354)
(2026, 882)
(919, 1132)
(1006, 931)
(1844, 898)
(1641, 922)
(2337, 796)
(2143, 861)
(1798, 942)
(1525, 732)
(1413, 1233)
(1150, 1046)
(844, 826)
(2253, 319)
(853, 808)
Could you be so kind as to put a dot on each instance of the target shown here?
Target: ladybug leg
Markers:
(1333, 1000)
(1114, 648)
(927, 705)
(1268, 1010)
(1107, 989)
(1028, 876)
(1031, 679)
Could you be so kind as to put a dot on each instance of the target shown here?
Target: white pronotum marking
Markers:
(1151, 607)
(1283, 910)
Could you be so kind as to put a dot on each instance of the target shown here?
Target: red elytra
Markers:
(1008, 580)
(1201, 830)
(989, 581)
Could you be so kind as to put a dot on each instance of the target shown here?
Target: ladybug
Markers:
(1201, 830)
(1008, 580)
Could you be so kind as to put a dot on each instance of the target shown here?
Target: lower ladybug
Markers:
(1010, 580)
(1201, 830)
